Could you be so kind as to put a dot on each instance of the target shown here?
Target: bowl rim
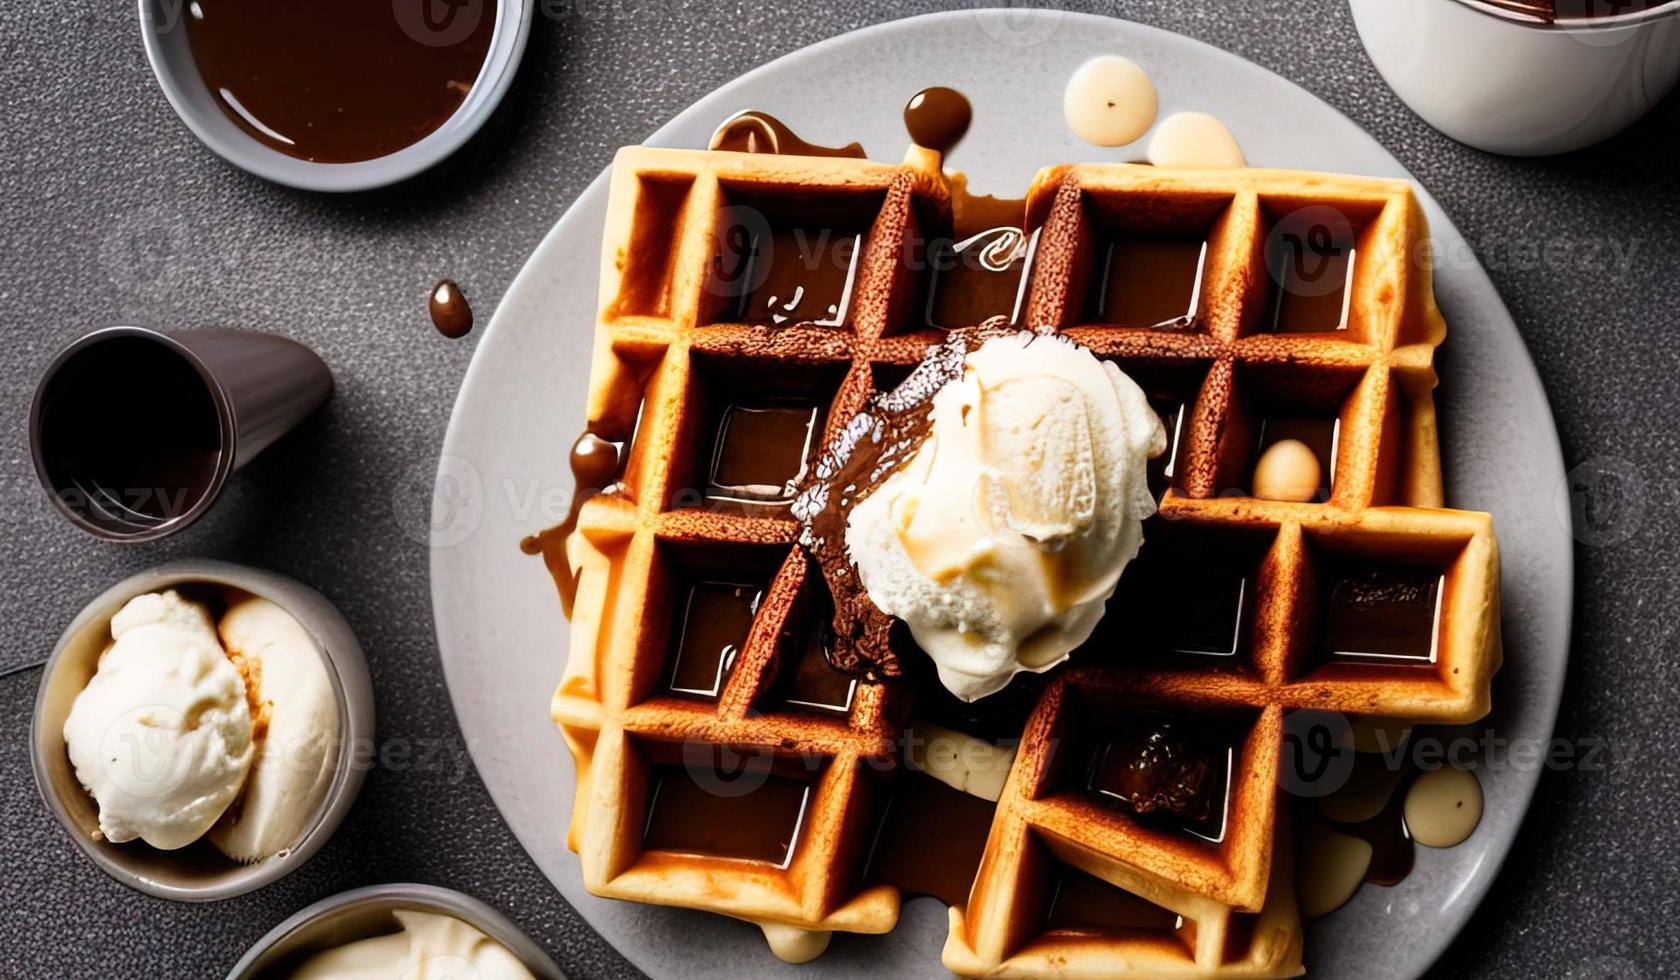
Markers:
(228, 450)
(227, 140)
(425, 898)
(351, 683)
(1574, 24)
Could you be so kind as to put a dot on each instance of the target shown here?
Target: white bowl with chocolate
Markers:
(334, 97)
(196, 725)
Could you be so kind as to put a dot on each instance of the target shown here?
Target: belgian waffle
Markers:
(681, 344)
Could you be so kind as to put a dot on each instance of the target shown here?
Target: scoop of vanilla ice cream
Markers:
(429, 947)
(161, 735)
(1001, 539)
(294, 763)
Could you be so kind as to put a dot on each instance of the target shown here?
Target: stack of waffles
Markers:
(751, 304)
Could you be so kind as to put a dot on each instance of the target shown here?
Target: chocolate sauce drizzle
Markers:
(752, 131)
(596, 465)
(874, 445)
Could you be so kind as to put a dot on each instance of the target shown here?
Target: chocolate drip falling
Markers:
(759, 132)
(874, 445)
(595, 468)
(938, 118)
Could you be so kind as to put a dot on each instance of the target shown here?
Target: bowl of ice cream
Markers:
(196, 726)
(396, 930)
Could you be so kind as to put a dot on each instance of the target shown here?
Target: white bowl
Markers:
(162, 24)
(1512, 85)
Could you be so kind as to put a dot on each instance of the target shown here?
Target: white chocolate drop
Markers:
(1110, 101)
(1194, 139)
(1443, 807)
(1288, 470)
(792, 944)
(962, 762)
(1332, 867)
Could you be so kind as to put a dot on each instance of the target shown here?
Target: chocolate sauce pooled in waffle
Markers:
(874, 445)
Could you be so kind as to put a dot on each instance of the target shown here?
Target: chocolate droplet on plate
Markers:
(450, 312)
(596, 463)
(938, 117)
(751, 131)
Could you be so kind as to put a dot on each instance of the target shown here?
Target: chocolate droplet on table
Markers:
(450, 312)
(938, 117)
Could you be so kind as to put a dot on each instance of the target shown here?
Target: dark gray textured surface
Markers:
(111, 213)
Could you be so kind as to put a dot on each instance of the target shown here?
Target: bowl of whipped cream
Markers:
(399, 930)
(196, 726)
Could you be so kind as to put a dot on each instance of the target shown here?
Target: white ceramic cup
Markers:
(1515, 85)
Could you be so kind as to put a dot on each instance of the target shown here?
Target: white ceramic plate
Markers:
(504, 470)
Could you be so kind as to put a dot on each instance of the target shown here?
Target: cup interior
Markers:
(198, 871)
(130, 434)
(169, 51)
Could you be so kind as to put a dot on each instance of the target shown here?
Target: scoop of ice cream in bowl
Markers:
(195, 727)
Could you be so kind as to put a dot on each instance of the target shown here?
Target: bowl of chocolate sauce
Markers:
(1525, 77)
(326, 95)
